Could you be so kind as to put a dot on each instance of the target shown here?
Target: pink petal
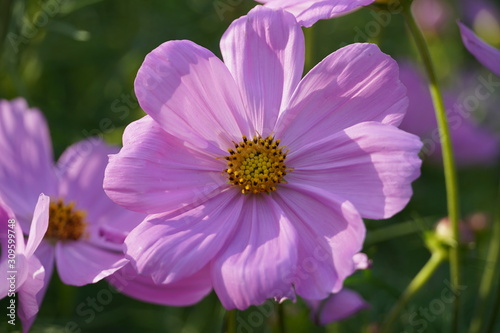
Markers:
(187, 291)
(309, 12)
(80, 263)
(354, 84)
(27, 167)
(20, 267)
(256, 263)
(192, 95)
(45, 254)
(82, 168)
(39, 225)
(370, 164)
(330, 233)
(265, 53)
(171, 246)
(484, 53)
(29, 301)
(337, 306)
(156, 173)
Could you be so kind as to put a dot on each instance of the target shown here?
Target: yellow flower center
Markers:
(257, 165)
(65, 222)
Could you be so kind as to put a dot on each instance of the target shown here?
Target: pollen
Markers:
(65, 222)
(257, 165)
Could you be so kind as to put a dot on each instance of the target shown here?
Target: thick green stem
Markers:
(483, 316)
(437, 257)
(448, 160)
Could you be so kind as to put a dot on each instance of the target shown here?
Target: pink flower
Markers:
(484, 53)
(19, 267)
(309, 12)
(91, 248)
(472, 144)
(341, 305)
(80, 212)
(337, 307)
(327, 146)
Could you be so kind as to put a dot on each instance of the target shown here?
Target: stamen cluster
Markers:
(257, 165)
(65, 223)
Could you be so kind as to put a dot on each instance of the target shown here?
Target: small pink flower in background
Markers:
(472, 144)
(431, 15)
(29, 274)
(309, 12)
(487, 55)
(254, 177)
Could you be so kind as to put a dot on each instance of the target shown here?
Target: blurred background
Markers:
(76, 61)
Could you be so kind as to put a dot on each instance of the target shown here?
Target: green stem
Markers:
(281, 318)
(448, 160)
(437, 257)
(391, 232)
(230, 321)
(488, 281)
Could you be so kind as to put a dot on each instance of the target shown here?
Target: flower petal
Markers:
(370, 164)
(309, 12)
(82, 168)
(354, 84)
(187, 291)
(484, 53)
(27, 167)
(80, 263)
(156, 173)
(264, 51)
(172, 246)
(29, 301)
(192, 95)
(255, 264)
(39, 225)
(331, 233)
(337, 306)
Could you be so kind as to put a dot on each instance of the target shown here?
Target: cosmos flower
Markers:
(472, 143)
(309, 12)
(80, 212)
(86, 230)
(487, 55)
(255, 175)
(19, 267)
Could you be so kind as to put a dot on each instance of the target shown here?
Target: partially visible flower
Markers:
(483, 16)
(250, 172)
(309, 12)
(340, 305)
(484, 53)
(473, 144)
(336, 307)
(20, 270)
(445, 233)
(79, 209)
